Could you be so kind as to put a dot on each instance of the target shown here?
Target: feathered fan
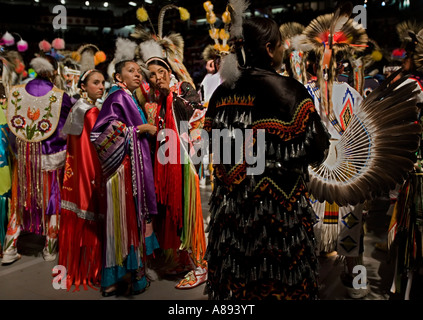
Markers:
(376, 150)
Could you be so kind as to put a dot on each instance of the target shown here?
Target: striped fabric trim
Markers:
(83, 214)
(287, 130)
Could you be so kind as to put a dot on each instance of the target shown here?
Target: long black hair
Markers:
(257, 32)
(119, 66)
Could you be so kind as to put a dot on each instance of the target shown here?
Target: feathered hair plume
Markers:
(125, 49)
(41, 65)
(149, 49)
(229, 70)
(217, 34)
(290, 30)
(237, 10)
(294, 55)
(171, 47)
(184, 15)
(210, 53)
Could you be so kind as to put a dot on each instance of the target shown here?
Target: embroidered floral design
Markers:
(33, 114)
(36, 126)
(52, 232)
(18, 122)
(44, 126)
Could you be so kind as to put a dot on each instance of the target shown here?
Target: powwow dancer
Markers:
(352, 172)
(119, 136)
(36, 114)
(80, 235)
(175, 107)
(261, 240)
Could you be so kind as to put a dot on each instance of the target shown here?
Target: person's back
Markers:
(260, 243)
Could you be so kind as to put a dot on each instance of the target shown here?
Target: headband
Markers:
(158, 61)
(68, 70)
(85, 74)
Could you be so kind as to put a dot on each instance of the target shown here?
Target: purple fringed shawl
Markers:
(114, 135)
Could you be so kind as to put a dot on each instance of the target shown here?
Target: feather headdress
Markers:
(407, 30)
(172, 45)
(88, 56)
(11, 73)
(329, 34)
(295, 49)
(418, 55)
(411, 36)
(377, 149)
(229, 70)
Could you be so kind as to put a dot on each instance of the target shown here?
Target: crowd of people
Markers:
(104, 165)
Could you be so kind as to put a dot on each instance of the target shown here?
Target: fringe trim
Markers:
(30, 183)
(80, 250)
(193, 236)
(122, 230)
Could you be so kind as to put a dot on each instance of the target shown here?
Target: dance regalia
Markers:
(369, 83)
(127, 171)
(338, 228)
(261, 242)
(179, 224)
(80, 240)
(405, 234)
(5, 177)
(36, 114)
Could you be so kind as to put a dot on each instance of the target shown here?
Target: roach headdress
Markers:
(329, 34)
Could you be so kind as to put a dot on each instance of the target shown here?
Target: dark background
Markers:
(101, 26)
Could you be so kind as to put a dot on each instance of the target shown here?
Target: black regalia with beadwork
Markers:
(261, 242)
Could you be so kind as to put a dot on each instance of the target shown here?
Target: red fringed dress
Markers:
(179, 223)
(80, 248)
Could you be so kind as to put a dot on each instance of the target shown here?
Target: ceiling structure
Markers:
(100, 22)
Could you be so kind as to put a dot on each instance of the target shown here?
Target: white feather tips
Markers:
(125, 49)
(229, 70)
(238, 8)
(150, 49)
(41, 65)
